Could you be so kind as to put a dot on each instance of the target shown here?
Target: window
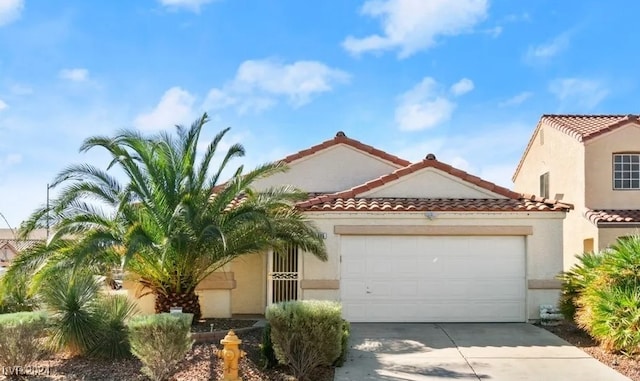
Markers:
(587, 245)
(544, 185)
(626, 171)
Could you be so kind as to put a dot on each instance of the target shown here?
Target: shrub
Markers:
(575, 282)
(21, 335)
(71, 299)
(615, 319)
(160, 341)
(267, 355)
(344, 344)
(306, 334)
(15, 297)
(607, 296)
(112, 312)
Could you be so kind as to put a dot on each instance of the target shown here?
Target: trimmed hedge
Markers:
(21, 337)
(160, 342)
(306, 334)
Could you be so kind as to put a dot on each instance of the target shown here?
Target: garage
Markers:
(433, 278)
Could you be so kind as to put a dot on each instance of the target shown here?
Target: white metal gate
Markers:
(283, 276)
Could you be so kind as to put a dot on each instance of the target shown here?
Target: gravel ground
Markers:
(201, 364)
(630, 367)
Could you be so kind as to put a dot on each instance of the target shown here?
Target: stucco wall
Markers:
(599, 169)
(608, 236)
(564, 158)
(430, 183)
(337, 168)
(249, 296)
(544, 247)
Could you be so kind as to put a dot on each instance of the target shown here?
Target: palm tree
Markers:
(172, 222)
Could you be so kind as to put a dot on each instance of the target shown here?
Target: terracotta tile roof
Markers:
(429, 162)
(585, 127)
(580, 127)
(341, 138)
(431, 204)
(18, 245)
(349, 200)
(613, 216)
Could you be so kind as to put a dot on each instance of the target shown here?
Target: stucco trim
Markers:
(320, 284)
(544, 284)
(218, 281)
(455, 230)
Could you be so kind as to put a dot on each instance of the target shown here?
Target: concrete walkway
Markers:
(496, 352)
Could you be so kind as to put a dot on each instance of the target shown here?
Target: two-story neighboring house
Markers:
(593, 162)
(10, 246)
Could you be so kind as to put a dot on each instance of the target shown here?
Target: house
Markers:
(593, 162)
(10, 246)
(412, 242)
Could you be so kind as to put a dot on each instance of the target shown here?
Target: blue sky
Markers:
(464, 79)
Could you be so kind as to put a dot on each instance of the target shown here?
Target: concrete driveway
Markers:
(497, 352)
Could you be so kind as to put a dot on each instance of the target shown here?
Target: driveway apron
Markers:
(496, 352)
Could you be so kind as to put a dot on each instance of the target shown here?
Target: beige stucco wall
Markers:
(608, 236)
(544, 246)
(334, 169)
(430, 183)
(563, 157)
(599, 169)
(250, 294)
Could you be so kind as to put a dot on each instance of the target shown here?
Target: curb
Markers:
(217, 335)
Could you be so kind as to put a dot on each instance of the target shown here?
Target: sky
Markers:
(466, 80)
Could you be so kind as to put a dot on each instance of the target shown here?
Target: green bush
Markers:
(160, 341)
(71, 299)
(267, 355)
(21, 336)
(344, 343)
(15, 297)
(306, 334)
(112, 313)
(575, 282)
(606, 295)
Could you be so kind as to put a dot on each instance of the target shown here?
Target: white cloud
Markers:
(259, 83)
(414, 25)
(192, 5)
(3, 105)
(546, 51)
(426, 104)
(74, 75)
(461, 87)
(20, 89)
(516, 99)
(10, 10)
(175, 107)
(581, 93)
(490, 151)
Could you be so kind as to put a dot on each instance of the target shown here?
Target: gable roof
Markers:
(349, 200)
(580, 127)
(341, 138)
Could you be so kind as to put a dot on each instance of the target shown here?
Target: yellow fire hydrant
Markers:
(231, 355)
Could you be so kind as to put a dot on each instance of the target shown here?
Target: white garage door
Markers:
(433, 279)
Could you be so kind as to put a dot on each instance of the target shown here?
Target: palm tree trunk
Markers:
(188, 300)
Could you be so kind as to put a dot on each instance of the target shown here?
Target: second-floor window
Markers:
(544, 185)
(626, 171)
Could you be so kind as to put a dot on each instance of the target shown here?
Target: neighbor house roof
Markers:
(18, 245)
(341, 138)
(580, 127)
(350, 200)
(613, 217)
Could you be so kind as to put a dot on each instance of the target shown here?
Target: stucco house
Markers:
(421, 242)
(592, 162)
(10, 246)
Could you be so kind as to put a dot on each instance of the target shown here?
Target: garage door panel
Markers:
(446, 279)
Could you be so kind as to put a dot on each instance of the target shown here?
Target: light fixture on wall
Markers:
(431, 215)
